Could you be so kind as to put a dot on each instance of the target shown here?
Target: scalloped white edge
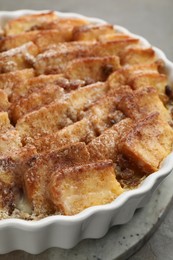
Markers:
(66, 231)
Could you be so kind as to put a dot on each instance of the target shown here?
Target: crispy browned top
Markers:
(83, 115)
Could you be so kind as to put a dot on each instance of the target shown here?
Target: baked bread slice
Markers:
(133, 56)
(92, 32)
(10, 140)
(148, 142)
(34, 84)
(76, 188)
(106, 145)
(4, 103)
(145, 72)
(18, 58)
(143, 101)
(10, 145)
(60, 114)
(9, 191)
(37, 172)
(9, 81)
(92, 69)
(34, 101)
(100, 117)
(29, 85)
(140, 76)
(28, 22)
(42, 39)
(55, 59)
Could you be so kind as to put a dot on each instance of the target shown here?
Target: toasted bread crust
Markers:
(147, 144)
(57, 58)
(60, 114)
(9, 81)
(49, 93)
(92, 69)
(91, 32)
(38, 170)
(28, 22)
(18, 58)
(133, 56)
(74, 189)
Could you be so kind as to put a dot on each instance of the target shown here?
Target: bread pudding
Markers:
(85, 114)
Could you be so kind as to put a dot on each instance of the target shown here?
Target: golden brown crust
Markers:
(57, 115)
(55, 59)
(10, 81)
(92, 32)
(143, 102)
(126, 74)
(133, 56)
(4, 103)
(10, 145)
(18, 58)
(101, 116)
(28, 86)
(65, 24)
(76, 188)
(38, 170)
(105, 146)
(34, 101)
(8, 189)
(148, 142)
(92, 69)
(27, 22)
(42, 39)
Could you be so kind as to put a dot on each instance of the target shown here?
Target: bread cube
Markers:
(18, 58)
(39, 168)
(74, 189)
(148, 143)
(142, 102)
(64, 26)
(57, 115)
(105, 146)
(36, 100)
(80, 131)
(4, 103)
(27, 87)
(4, 121)
(14, 41)
(98, 118)
(104, 113)
(132, 56)
(123, 75)
(155, 80)
(92, 69)
(28, 22)
(56, 59)
(9, 81)
(42, 39)
(10, 141)
(92, 32)
(8, 189)
(112, 48)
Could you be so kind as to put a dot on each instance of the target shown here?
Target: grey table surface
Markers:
(152, 19)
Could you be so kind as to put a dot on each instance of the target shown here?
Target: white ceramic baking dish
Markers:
(66, 231)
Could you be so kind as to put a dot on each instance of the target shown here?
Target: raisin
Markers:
(169, 91)
(107, 70)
